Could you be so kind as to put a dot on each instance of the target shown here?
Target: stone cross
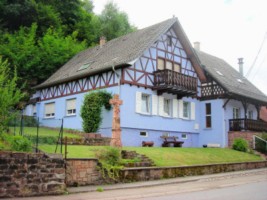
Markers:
(116, 126)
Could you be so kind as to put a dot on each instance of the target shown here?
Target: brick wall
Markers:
(83, 172)
(247, 135)
(26, 174)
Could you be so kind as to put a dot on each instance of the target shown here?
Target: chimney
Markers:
(197, 46)
(240, 63)
(102, 41)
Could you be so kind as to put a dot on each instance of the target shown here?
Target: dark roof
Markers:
(229, 78)
(120, 52)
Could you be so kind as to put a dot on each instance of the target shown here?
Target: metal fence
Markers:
(38, 131)
(259, 144)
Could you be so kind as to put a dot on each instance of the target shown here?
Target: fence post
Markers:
(37, 137)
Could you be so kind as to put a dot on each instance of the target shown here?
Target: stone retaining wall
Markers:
(83, 172)
(154, 173)
(26, 174)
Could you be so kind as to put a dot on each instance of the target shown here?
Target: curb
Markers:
(179, 180)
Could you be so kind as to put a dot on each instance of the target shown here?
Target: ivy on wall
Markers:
(91, 109)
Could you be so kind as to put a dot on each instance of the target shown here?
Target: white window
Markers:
(186, 110)
(34, 113)
(143, 134)
(236, 113)
(250, 114)
(49, 110)
(71, 107)
(184, 136)
(145, 103)
(167, 107)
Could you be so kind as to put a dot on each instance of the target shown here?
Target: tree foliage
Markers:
(91, 110)
(114, 22)
(10, 94)
(39, 36)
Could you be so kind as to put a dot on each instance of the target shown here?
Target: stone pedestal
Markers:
(116, 126)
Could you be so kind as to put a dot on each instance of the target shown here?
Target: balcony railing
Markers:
(247, 124)
(174, 82)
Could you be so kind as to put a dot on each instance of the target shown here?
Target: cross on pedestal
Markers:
(116, 125)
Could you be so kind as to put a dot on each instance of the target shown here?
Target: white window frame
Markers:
(71, 107)
(49, 110)
(182, 136)
(34, 110)
(145, 103)
(167, 107)
(145, 134)
(250, 114)
(186, 110)
(236, 113)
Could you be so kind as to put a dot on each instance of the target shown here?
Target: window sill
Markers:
(147, 114)
(49, 117)
(74, 115)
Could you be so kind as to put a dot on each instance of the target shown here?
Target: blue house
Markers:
(168, 88)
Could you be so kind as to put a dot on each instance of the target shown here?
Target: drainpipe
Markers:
(119, 79)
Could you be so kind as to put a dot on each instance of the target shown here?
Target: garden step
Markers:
(144, 160)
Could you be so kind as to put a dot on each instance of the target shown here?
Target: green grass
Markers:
(44, 132)
(168, 156)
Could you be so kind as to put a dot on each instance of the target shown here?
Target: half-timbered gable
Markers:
(165, 67)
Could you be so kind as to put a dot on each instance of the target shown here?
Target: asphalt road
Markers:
(240, 185)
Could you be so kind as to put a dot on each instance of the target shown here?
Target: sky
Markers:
(228, 29)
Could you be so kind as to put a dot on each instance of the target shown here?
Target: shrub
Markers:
(91, 110)
(240, 144)
(20, 143)
(110, 160)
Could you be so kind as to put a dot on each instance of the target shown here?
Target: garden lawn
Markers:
(43, 131)
(168, 156)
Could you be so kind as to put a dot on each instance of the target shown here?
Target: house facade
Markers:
(168, 88)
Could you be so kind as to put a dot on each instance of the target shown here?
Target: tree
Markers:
(114, 22)
(17, 13)
(10, 95)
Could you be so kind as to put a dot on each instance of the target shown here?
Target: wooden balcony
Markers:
(247, 124)
(175, 83)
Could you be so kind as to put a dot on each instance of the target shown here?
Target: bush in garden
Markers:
(240, 144)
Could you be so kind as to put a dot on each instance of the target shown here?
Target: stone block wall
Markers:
(156, 173)
(26, 174)
(83, 172)
(247, 135)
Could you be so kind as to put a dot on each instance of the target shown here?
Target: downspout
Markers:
(119, 79)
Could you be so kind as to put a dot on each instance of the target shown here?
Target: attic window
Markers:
(85, 66)
(169, 40)
(218, 72)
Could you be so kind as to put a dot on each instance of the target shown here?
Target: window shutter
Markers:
(175, 108)
(49, 108)
(161, 105)
(71, 104)
(193, 111)
(154, 104)
(138, 102)
(180, 108)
